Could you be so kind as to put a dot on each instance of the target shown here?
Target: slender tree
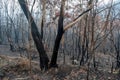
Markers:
(59, 36)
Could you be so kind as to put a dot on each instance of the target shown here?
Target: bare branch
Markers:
(77, 19)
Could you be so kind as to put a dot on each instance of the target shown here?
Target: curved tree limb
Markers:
(77, 19)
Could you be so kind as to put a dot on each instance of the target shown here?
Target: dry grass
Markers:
(19, 68)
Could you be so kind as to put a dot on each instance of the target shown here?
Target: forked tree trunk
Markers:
(36, 36)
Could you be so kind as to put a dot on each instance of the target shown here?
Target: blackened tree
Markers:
(37, 37)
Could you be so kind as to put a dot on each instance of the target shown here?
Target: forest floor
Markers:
(14, 67)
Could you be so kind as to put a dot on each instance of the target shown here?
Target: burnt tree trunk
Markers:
(42, 24)
(118, 51)
(36, 36)
(60, 33)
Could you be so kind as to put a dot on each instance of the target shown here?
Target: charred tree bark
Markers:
(0, 35)
(60, 33)
(42, 24)
(118, 52)
(0, 31)
(36, 36)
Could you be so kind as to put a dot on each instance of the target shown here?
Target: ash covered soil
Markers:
(14, 67)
